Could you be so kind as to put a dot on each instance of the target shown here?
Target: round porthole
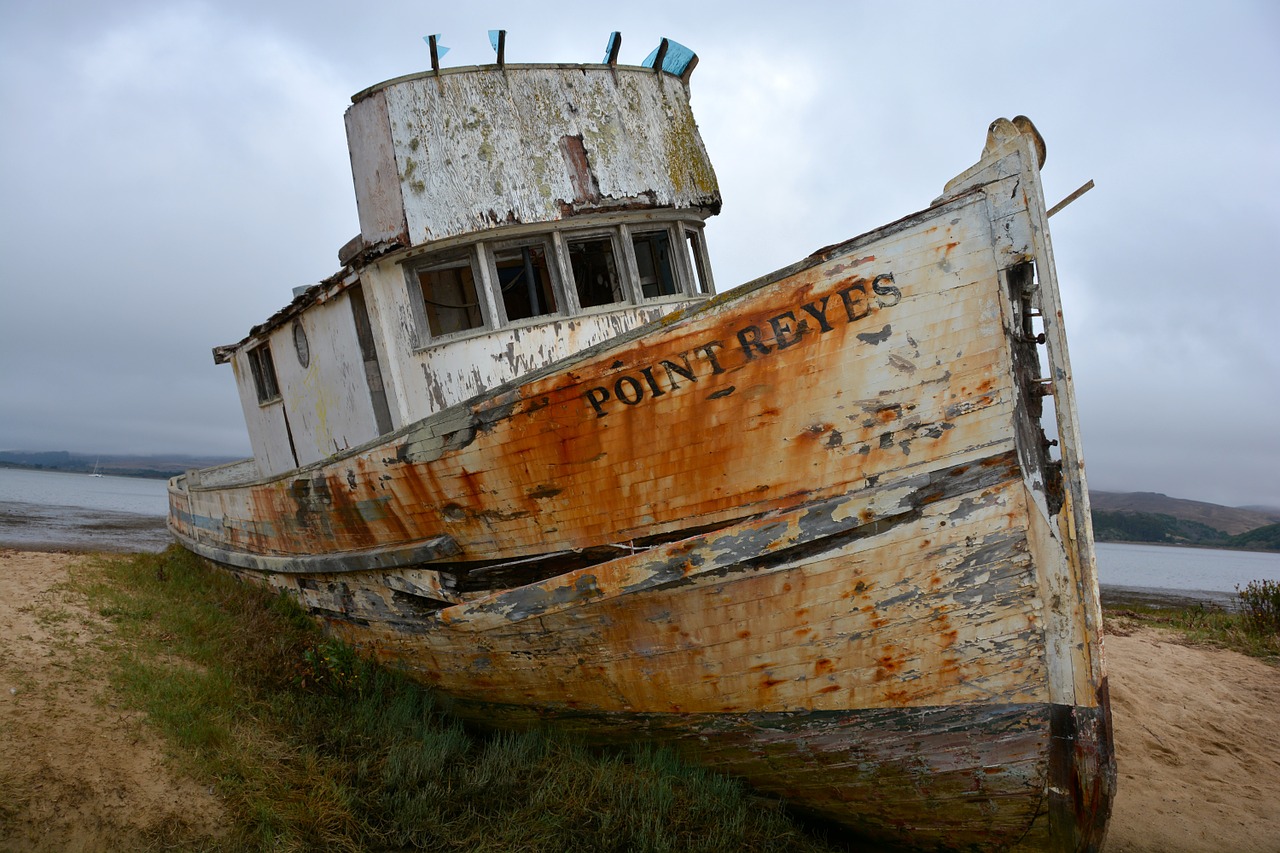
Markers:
(300, 343)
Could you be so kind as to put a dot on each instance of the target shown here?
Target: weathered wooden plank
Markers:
(760, 650)
(495, 152)
(958, 789)
(467, 461)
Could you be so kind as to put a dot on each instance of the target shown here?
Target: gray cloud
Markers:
(171, 171)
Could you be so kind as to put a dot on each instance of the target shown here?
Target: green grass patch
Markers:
(1252, 629)
(312, 747)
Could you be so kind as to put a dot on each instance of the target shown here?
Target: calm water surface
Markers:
(1165, 567)
(56, 488)
(77, 510)
(51, 509)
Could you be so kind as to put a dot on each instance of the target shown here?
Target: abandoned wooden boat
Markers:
(809, 531)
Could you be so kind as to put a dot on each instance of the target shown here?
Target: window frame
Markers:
(548, 246)
(679, 272)
(473, 255)
(615, 234)
(694, 239)
(266, 382)
(690, 268)
(301, 343)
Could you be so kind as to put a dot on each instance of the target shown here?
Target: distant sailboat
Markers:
(95, 468)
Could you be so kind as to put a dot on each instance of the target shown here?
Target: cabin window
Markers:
(449, 297)
(653, 263)
(264, 373)
(698, 259)
(524, 278)
(595, 271)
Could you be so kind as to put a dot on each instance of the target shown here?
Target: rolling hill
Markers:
(159, 466)
(1230, 520)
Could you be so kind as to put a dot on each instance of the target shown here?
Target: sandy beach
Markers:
(1197, 736)
(77, 773)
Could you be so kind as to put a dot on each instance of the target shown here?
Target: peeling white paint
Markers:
(483, 148)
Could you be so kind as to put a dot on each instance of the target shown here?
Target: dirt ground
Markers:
(76, 772)
(1197, 735)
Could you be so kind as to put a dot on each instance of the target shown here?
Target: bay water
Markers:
(56, 509)
(1173, 568)
(60, 510)
(58, 488)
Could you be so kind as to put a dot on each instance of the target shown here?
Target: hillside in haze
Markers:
(1160, 519)
(159, 465)
(1230, 520)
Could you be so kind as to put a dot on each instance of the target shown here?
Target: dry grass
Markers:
(311, 747)
(1253, 629)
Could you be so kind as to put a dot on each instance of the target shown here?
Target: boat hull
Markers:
(810, 534)
(818, 380)
(946, 778)
(904, 653)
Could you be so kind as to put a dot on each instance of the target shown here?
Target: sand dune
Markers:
(1197, 736)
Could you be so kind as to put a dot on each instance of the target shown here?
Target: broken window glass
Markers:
(449, 297)
(653, 262)
(264, 373)
(595, 271)
(697, 259)
(525, 280)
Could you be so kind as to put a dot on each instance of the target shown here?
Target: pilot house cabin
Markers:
(509, 217)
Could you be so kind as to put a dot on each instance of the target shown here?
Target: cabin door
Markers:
(369, 354)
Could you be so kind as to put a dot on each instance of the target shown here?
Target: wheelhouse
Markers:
(510, 216)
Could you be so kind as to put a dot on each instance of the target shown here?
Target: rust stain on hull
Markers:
(752, 397)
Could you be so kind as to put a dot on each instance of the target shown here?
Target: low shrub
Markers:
(1260, 602)
(1252, 627)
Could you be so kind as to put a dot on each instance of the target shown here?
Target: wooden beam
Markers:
(1066, 201)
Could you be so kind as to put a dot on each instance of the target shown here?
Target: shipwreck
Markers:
(811, 531)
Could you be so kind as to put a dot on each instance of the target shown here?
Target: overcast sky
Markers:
(171, 170)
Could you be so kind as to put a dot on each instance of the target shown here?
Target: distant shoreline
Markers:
(149, 466)
(1204, 546)
(136, 473)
